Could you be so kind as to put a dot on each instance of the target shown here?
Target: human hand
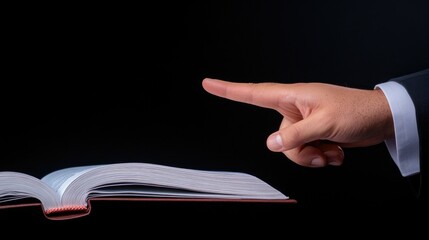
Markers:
(318, 119)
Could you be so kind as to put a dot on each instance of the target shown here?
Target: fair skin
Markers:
(318, 119)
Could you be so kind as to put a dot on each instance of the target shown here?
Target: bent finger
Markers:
(316, 154)
(307, 156)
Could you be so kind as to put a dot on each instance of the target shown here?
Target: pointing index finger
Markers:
(266, 95)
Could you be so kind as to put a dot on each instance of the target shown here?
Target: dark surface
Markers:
(101, 84)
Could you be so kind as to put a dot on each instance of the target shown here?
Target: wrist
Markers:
(385, 113)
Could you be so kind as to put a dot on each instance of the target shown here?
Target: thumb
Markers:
(295, 135)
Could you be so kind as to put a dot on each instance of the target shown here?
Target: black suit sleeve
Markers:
(417, 85)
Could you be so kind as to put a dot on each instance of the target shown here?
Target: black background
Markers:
(103, 83)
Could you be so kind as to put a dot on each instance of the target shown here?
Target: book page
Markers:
(16, 185)
(60, 179)
(145, 179)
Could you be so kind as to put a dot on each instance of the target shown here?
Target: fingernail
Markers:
(317, 162)
(275, 143)
(335, 163)
(334, 158)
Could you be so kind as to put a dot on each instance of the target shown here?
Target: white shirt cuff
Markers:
(404, 147)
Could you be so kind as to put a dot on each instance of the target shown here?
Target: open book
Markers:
(66, 193)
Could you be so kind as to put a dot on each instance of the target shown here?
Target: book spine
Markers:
(66, 212)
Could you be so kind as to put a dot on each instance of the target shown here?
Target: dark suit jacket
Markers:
(417, 85)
